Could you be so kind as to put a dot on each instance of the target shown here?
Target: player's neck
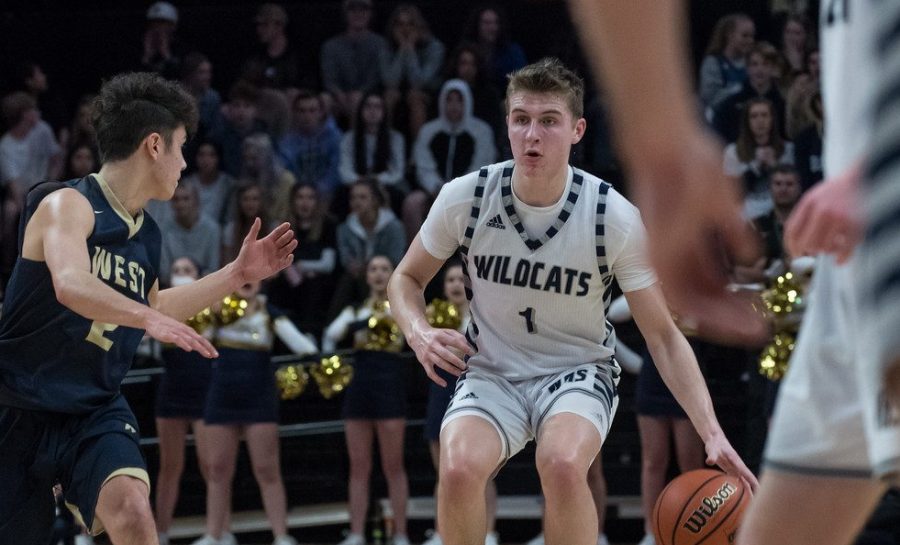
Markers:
(539, 191)
(125, 185)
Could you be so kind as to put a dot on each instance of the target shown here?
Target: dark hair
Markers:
(315, 232)
(745, 143)
(242, 224)
(67, 167)
(15, 106)
(193, 261)
(378, 192)
(453, 61)
(243, 90)
(382, 140)
(306, 94)
(784, 168)
(214, 144)
(418, 21)
(470, 31)
(549, 75)
(132, 106)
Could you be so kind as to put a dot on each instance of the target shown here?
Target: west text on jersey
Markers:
(112, 269)
(503, 269)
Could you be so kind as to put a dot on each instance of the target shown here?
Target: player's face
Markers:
(170, 162)
(378, 272)
(454, 287)
(785, 189)
(542, 131)
(305, 202)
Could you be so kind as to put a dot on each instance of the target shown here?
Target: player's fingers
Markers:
(439, 361)
(284, 239)
(452, 358)
(254, 230)
(455, 339)
(429, 372)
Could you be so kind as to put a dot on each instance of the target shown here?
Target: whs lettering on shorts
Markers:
(504, 269)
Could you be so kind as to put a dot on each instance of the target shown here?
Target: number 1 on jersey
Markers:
(528, 314)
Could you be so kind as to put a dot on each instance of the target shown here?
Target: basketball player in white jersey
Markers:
(541, 242)
(833, 435)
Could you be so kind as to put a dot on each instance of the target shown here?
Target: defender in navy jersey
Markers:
(83, 292)
(541, 244)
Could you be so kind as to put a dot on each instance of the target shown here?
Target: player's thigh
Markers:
(492, 400)
(588, 391)
(471, 446)
(789, 508)
(26, 499)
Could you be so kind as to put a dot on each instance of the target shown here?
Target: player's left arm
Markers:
(679, 370)
(257, 260)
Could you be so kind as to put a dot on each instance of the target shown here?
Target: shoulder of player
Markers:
(66, 204)
(620, 213)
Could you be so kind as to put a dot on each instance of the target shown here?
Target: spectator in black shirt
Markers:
(276, 64)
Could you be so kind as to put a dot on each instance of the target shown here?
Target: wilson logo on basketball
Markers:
(708, 507)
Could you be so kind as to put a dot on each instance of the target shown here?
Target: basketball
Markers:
(702, 506)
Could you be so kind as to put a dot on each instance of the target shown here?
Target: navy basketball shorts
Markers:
(80, 452)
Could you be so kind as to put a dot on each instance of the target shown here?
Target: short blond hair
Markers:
(549, 75)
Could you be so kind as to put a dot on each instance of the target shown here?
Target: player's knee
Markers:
(561, 468)
(459, 472)
(130, 509)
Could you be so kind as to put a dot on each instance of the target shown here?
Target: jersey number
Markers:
(528, 314)
(95, 335)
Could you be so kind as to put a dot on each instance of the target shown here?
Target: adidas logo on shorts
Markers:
(496, 222)
(470, 395)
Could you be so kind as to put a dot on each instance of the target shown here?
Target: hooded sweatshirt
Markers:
(444, 150)
(387, 239)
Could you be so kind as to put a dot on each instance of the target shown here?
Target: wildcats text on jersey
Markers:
(522, 273)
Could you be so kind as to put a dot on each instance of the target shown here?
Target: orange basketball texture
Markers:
(701, 506)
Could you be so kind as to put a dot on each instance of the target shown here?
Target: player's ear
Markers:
(578, 133)
(154, 144)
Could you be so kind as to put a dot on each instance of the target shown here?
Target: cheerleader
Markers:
(180, 399)
(243, 400)
(375, 401)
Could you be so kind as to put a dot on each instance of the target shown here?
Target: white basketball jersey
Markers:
(538, 306)
(848, 75)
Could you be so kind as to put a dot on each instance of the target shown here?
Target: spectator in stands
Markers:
(188, 233)
(723, 72)
(162, 52)
(248, 206)
(304, 289)
(81, 161)
(243, 402)
(196, 77)
(32, 79)
(801, 91)
(795, 42)
(439, 397)
(488, 28)
(410, 66)
(29, 152)
(350, 60)
(180, 400)
(311, 150)
(760, 83)
(373, 149)
(260, 168)
(370, 229)
(786, 189)
(276, 64)
(240, 122)
(80, 129)
(808, 144)
(454, 144)
(374, 404)
(758, 150)
(215, 187)
(466, 63)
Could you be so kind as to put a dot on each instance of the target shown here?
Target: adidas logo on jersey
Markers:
(496, 222)
(470, 395)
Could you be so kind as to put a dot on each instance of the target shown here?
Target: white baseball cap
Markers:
(162, 11)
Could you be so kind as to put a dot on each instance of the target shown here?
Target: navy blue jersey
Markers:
(53, 359)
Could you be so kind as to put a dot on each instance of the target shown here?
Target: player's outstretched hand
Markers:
(169, 330)
(719, 452)
(828, 219)
(694, 224)
(261, 258)
(441, 348)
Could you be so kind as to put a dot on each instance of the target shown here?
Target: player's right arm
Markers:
(433, 347)
(56, 234)
(691, 209)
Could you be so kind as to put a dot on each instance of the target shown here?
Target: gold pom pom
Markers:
(383, 333)
(332, 376)
(443, 314)
(773, 362)
(233, 309)
(200, 321)
(291, 381)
